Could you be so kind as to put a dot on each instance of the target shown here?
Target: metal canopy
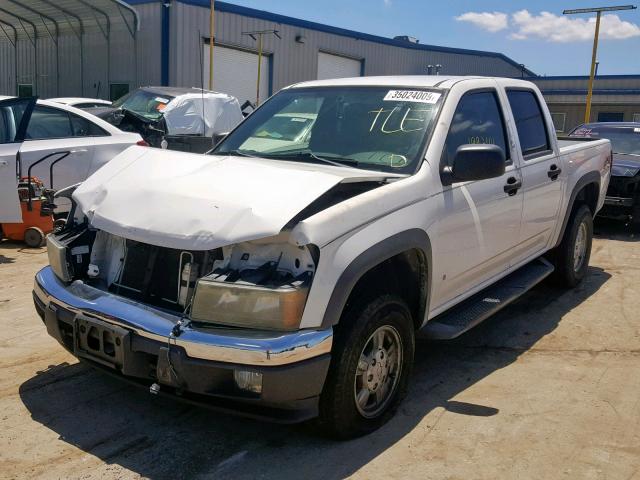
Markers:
(67, 16)
(34, 19)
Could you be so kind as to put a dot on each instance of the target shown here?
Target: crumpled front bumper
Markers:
(135, 342)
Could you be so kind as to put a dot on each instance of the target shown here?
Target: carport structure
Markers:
(40, 32)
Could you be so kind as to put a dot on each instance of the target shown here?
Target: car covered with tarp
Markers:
(186, 119)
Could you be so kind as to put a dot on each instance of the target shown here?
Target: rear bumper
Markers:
(199, 364)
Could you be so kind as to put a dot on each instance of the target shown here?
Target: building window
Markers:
(610, 116)
(636, 117)
(559, 121)
(25, 90)
(117, 90)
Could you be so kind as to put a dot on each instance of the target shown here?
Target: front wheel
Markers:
(370, 366)
(571, 258)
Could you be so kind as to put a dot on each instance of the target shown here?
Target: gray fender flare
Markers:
(373, 256)
(591, 177)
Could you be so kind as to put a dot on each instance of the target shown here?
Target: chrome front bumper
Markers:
(238, 346)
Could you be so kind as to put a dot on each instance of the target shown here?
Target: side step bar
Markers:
(469, 313)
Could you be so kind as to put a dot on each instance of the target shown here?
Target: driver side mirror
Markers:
(475, 162)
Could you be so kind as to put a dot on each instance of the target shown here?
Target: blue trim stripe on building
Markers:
(583, 91)
(583, 77)
(164, 58)
(296, 22)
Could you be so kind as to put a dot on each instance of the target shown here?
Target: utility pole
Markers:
(257, 36)
(211, 41)
(598, 11)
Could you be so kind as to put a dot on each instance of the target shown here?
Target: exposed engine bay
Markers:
(263, 283)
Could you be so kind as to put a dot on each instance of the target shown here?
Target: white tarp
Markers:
(205, 114)
(201, 202)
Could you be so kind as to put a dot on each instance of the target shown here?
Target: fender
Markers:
(591, 177)
(373, 256)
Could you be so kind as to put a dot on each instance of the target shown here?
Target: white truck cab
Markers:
(293, 278)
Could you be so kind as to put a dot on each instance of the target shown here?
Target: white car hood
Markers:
(201, 202)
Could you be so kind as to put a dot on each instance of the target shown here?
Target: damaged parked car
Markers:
(185, 119)
(623, 197)
(287, 274)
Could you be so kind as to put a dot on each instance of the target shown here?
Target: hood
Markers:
(201, 202)
(625, 165)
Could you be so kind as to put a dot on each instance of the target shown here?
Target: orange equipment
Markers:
(37, 207)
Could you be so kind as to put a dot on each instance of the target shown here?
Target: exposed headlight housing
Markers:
(262, 286)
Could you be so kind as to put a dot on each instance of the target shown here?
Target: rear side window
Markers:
(478, 119)
(530, 124)
(84, 128)
(48, 122)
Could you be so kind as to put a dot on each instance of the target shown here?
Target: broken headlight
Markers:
(257, 285)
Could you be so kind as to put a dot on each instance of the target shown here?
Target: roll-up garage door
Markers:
(335, 66)
(236, 71)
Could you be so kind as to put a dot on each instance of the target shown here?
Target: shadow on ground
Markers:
(162, 438)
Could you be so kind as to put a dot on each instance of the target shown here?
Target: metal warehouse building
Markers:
(103, 48)
(616, 98)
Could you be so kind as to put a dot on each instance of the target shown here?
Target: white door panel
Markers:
(542, 197)
(541, 187)
(479, 227)
(9, 201)
(69, 171)
(14, 118)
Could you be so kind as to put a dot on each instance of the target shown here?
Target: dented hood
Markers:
(200, 202)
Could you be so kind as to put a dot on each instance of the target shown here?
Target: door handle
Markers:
(3, 163)
(554, 172)
(512, 186)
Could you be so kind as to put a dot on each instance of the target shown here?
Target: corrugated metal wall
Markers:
(91, 80)
(294, 62)
(291, 61)
(575, 113)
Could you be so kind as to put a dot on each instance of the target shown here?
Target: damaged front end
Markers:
(219, 327)
(623, 194)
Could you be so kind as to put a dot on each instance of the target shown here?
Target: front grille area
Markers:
(152, 274)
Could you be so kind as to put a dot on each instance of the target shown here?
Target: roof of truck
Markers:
(417, 81)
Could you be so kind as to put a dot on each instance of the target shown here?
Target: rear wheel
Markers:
(571, 258)
(33, 237)
(370, 365)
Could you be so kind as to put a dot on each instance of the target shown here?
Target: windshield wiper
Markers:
(336, 162)
(238, 153)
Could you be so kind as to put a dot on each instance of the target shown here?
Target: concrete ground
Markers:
(547, 389)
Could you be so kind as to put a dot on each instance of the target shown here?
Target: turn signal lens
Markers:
(142, 143)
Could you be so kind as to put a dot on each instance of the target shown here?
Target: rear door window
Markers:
(478, 120)
(84, 128)
(530, 123)
(47, 122)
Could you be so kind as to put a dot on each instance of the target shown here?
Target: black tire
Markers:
(33, 237)
(340, 416)
(567, 273)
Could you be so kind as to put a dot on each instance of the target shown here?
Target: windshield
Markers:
(373, 128)
(148, 104)
(623, 139)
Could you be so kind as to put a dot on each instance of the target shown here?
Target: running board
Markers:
(469, 313)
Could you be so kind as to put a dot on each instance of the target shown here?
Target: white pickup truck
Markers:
(290, 280)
